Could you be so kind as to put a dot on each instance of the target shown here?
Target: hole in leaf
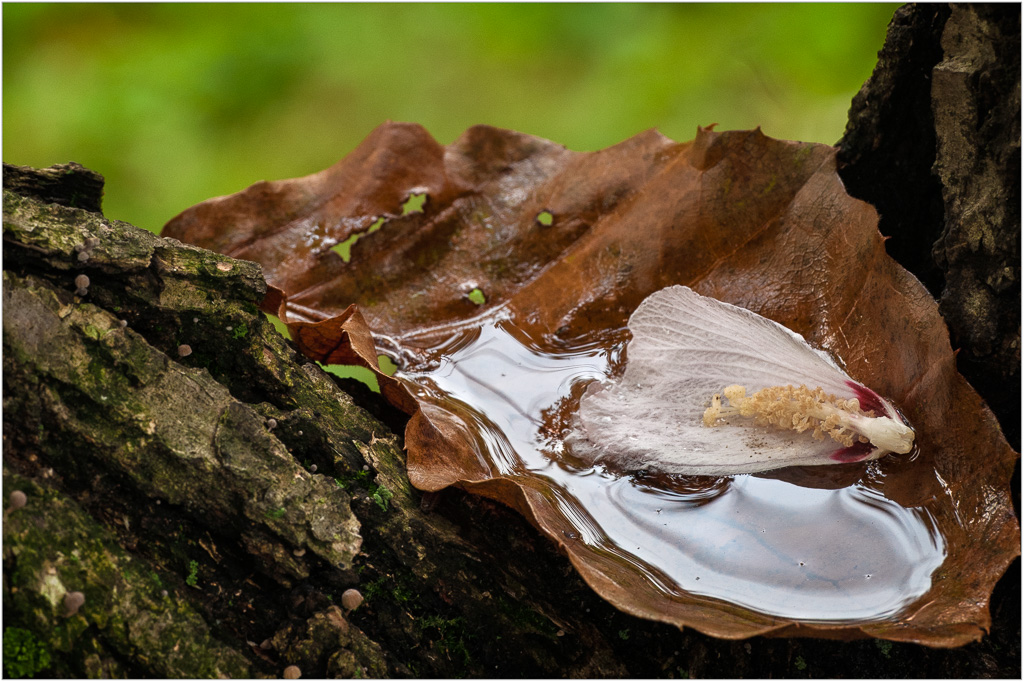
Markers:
(546, 218)
(386, 365)
(353, 372)
(280, 326)
(414, 204)
(477, 297)
(344, 249)
(361, 373)
(345, 371)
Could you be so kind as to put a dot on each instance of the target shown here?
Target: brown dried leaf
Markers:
(564, 246)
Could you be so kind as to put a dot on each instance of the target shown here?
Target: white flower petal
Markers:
(686, 348)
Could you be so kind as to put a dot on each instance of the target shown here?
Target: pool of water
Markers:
(816, 546)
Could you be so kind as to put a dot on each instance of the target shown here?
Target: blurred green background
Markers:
(175, 103)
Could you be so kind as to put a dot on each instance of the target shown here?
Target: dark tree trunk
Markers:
(213, 495)
(933, 142)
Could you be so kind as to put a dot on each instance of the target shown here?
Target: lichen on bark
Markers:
(129, 623)
(99, 401)
(257, 525)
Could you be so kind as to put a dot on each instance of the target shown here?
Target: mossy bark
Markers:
(239, 479)
(212, 506)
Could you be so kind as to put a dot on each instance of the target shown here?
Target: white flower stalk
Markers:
(787, 403)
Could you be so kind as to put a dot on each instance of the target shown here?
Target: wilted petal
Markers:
(687, 348)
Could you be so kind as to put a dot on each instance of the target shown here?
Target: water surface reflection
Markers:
(834, 551)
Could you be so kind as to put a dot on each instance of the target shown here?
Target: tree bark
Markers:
(933, 142)
(213, 495)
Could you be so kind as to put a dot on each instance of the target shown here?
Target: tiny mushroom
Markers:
(184, 350)
(72, 602)
(271, 423)
(82, 281)
(292, 672)
(18, 499)
(351, 599)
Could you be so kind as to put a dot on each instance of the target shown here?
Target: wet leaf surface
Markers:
(501, 280)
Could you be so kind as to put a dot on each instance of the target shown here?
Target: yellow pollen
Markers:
(798, 409)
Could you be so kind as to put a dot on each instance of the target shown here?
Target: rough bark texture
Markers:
(933, 141)
(212, 503)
